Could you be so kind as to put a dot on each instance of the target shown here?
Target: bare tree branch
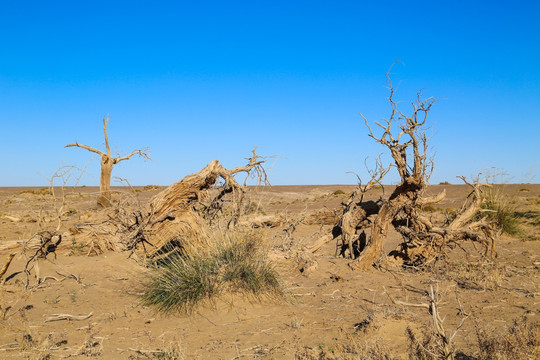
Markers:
(86, 147)
(404, 137)
(107, 163)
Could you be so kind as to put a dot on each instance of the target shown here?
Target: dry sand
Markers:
(331, 310)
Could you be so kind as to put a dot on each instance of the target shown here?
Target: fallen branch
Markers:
(145, 352)
(177, 217)
(6, 265)
(322, 241)
(402, 303)
(10, 345)
(58, 317)
(11, 218)
(445, 346)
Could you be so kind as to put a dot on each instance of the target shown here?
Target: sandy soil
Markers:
(333, 310)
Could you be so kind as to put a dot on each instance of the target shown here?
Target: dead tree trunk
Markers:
(178, 217)
(374, 247)
(107, 163)
(356, 211)
(410, 141)
(104, 199)
(404, 137)
(465, 227)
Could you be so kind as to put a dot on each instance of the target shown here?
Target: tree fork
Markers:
(107, 163)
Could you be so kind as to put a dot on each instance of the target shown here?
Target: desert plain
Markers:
(89, 305)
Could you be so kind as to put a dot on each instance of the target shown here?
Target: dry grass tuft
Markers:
(520, 342)
(423, 346)
(92, 346)
(231, 263)
(476, 275)
(349, 349)
(171, 352)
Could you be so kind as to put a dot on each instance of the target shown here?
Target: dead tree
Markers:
(356, 211)
(428, 241)
(405, 138)
(409, 152)
(179, 216)
(107, 163)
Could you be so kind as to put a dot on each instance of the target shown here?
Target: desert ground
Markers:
(89, 305)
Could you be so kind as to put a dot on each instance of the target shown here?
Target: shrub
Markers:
(234, 263)
(180, 283)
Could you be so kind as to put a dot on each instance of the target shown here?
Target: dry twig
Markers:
(58, 317)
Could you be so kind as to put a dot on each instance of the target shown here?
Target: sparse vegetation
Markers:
(521, 341)
(477, 275)
(43, 191)
(502, 209)
(77, 247)
(73, 296)
(171, 352)
(152, 187)
(350, 348)
(331, 319)
(234, 263)
(204, 237)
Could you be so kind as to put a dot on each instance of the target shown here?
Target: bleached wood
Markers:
(107, 163)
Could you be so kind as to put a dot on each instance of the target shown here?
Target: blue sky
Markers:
(197, 81)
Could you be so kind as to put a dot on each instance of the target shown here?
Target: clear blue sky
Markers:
(197, 81)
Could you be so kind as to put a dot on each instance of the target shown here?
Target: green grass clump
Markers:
(180, 283)
(245, 268)
(503, 212)
(234, 264)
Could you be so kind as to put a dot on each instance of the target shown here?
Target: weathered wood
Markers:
(179, 215)
(107, 163)
(404, 137)
(6, 265)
